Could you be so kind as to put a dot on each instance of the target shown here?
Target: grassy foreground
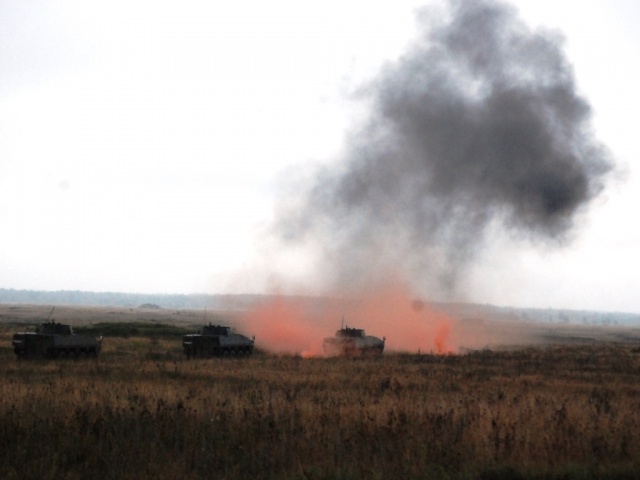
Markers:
(142, 411)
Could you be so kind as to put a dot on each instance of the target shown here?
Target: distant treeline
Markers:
(469, 311)
(76, 297)
(473, 311)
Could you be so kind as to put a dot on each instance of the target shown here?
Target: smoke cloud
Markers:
(290, 325)
(479, 124)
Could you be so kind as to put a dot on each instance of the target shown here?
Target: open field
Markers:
(503, 334)
(88, 315)
(569, 409)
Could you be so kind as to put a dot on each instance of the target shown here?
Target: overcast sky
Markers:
(145, 145)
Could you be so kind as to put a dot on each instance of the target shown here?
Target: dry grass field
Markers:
(568, 409)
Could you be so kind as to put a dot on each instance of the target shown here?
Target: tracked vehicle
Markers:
(350, 342)
(216, 340)
(51, 340)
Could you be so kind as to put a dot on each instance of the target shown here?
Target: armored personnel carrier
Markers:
(350, 342)
(216, 340)
(53, 339)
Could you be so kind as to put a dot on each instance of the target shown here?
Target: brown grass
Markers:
(143, 411)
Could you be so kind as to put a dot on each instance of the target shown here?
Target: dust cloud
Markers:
(290, 325)
(477, 126)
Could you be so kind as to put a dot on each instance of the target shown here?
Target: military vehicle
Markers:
(350, 342)
(216, 340)
(53, 339)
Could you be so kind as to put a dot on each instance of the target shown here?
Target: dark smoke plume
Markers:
(478, 124)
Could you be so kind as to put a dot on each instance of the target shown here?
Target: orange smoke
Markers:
(282, 326)
(442, 339)
(297, 326)
(410, 325)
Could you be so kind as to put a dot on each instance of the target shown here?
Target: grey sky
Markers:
(145, 145)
